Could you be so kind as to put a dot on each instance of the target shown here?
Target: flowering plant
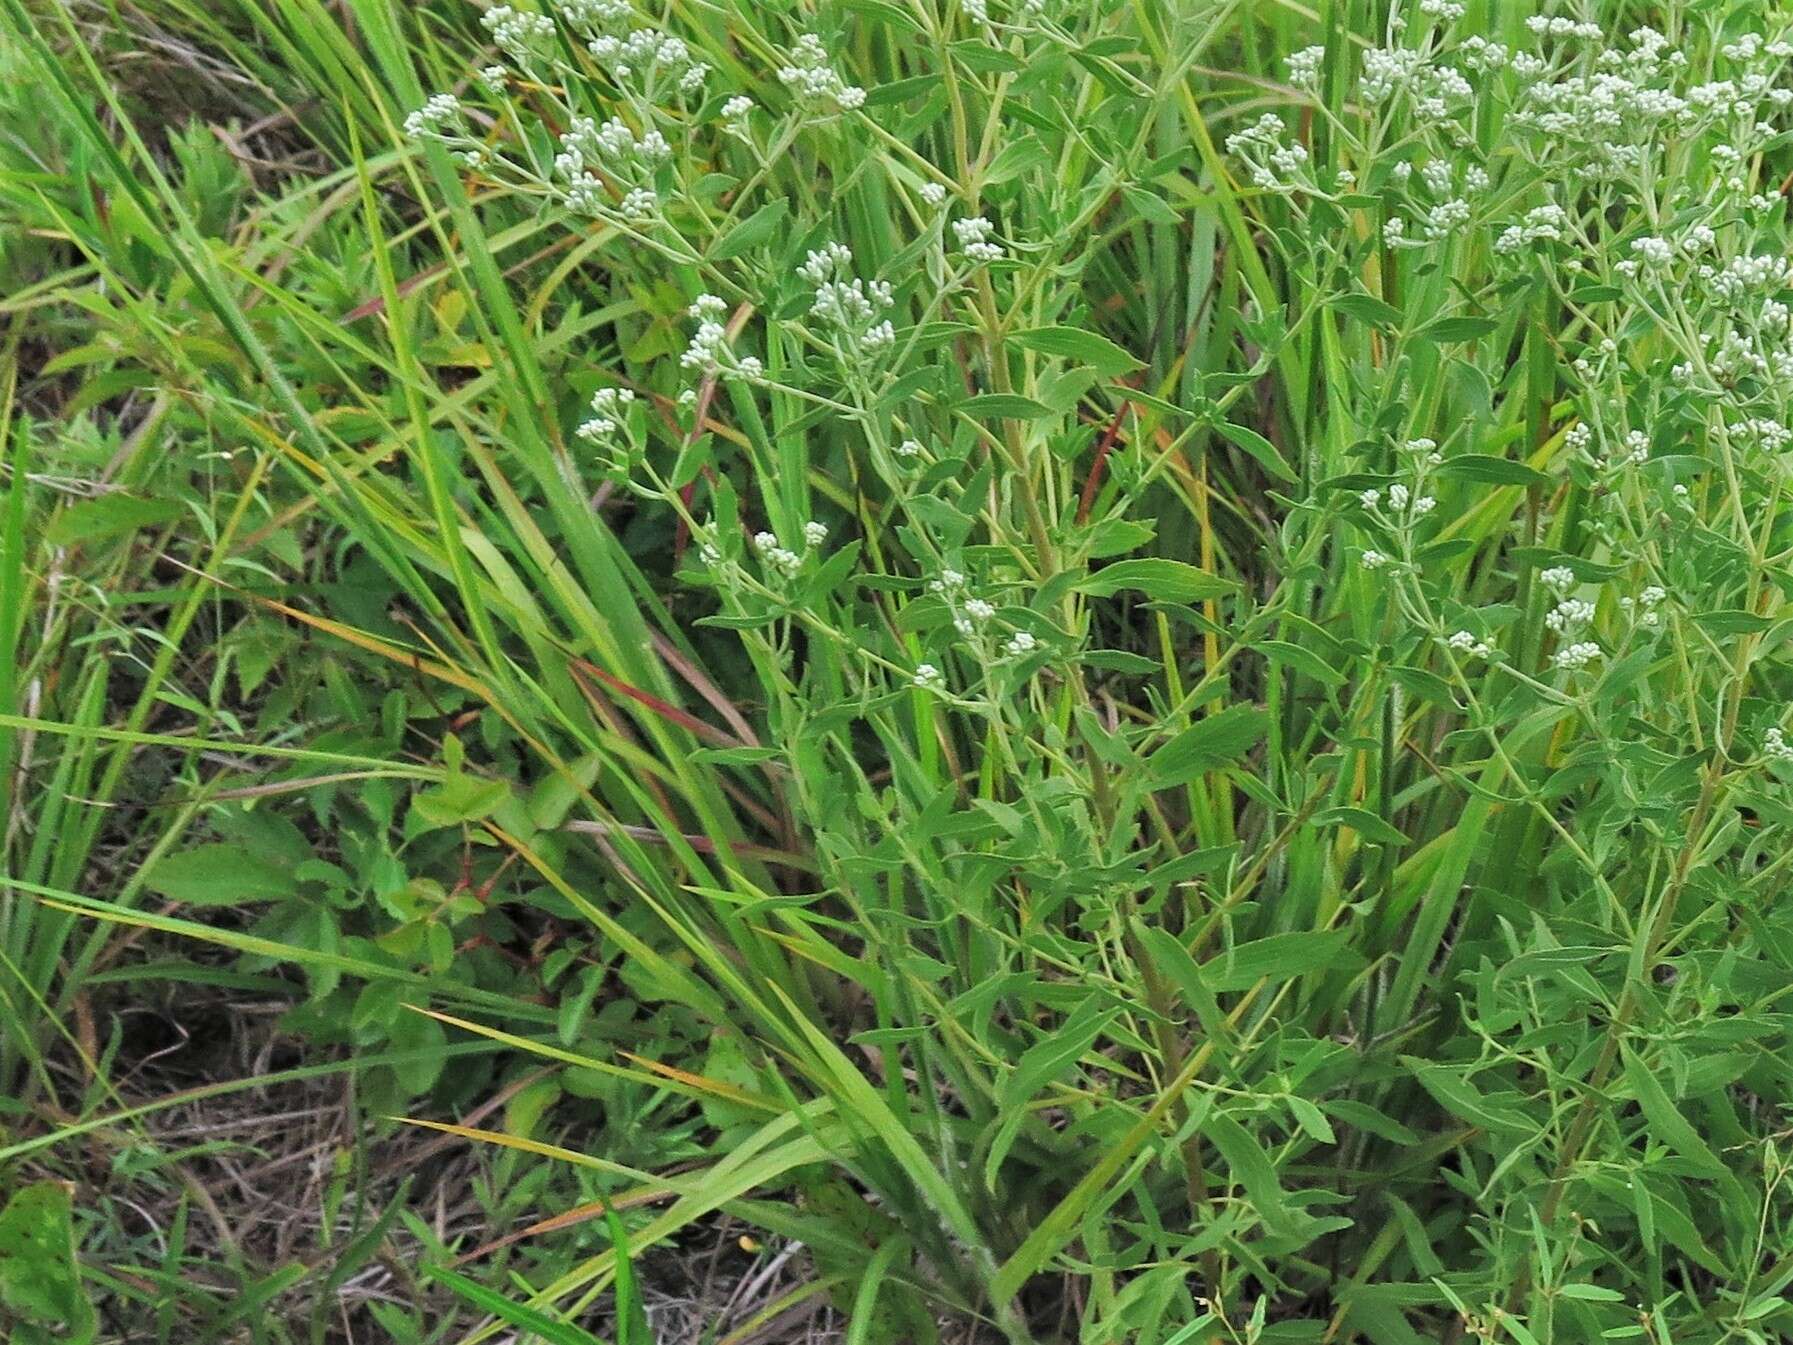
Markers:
(1150, 642)
(1357, 556)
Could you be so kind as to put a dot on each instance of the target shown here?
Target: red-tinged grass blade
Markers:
(691, 1085)
(583, 670)
(572, 1218)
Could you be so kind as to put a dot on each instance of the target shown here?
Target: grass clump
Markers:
(1121, 667)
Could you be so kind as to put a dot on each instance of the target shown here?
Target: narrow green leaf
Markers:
(1365, 823)
(1590, 1293)
(1250, 1166)
(1003, 406)
(1665, 1119)
(1085, 347)
(1280, 957)
(1301, 659)
(1312, 1120)
(1456, 329)
(1491, 471)
(1260, 448)
(1731, 622)
(1457, 1095)
(1048, 1059)
(512, 1314)
(1160, 580)
(1208, 744)
(759, 227)
(1367, 308)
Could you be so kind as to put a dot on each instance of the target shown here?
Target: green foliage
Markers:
(1133, 720)
(41, 1298)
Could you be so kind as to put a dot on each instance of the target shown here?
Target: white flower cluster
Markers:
(596, 13)
(601, 169)
(612, 145)
(851, 305)
(1742, 280)
(1558, 26)
(1449, 209)
(1271, 164)
(1025, 13)
(1775, 746)
(781, 559)
(1401, 507)
(1575, 657)
(1759, 432)
(1569, 615)
(735, 113)
(1386, 69)
(1621, 107)
(1632, 451)
(1304, 67)
(1658, 252)
(929, 678)
(1646, 607)
(1467, 642)
(1401, 500)
(968, 613)
(1440, 177)
(1620, 159)
(1543, 224)
(609, 406)
(811, 77)
(707, 342)
(974, 239)
(1749, 45)
(1751, 344)
(627, 158)
(647, 53)
(1481, 54)
(1391, 71)
(972, 615)
(427, 122)
(707, 550)
(709, 352)
(518, 33)
(1445, 218)
(1569, 618)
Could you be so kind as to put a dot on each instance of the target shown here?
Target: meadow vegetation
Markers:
(896, 671)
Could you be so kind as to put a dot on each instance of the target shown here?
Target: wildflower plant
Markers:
(1151, 639)
(1335, 704)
